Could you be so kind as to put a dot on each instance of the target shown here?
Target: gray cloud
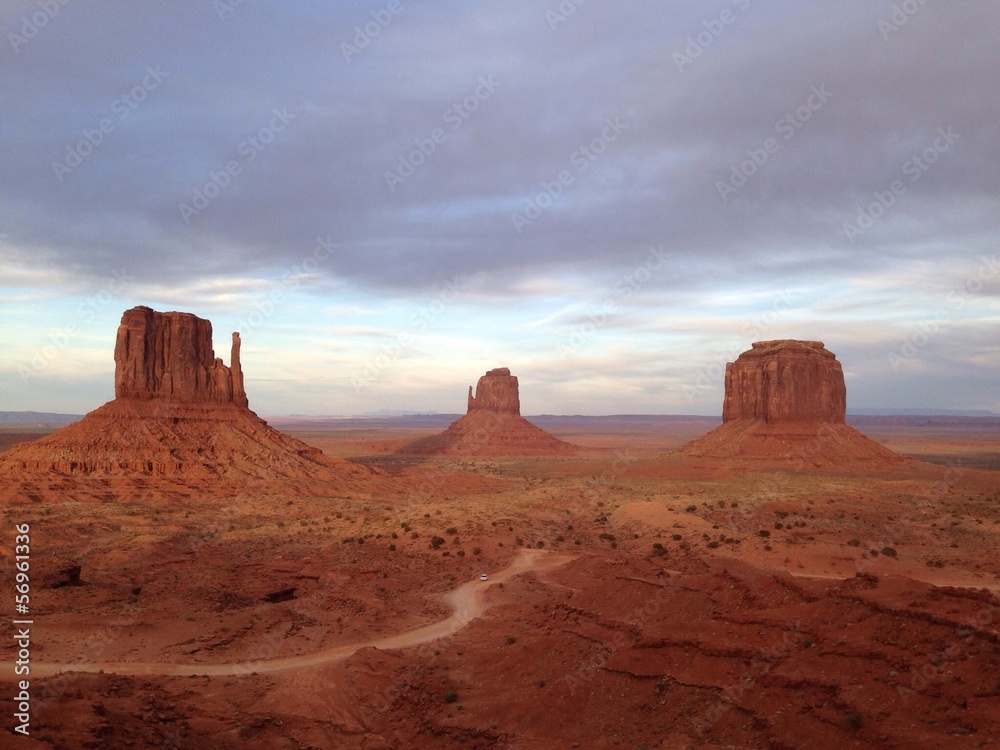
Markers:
(552, 91)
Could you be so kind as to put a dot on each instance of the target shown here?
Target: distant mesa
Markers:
(784, 406)
(492, 425)
(496, 391)
(178, 412)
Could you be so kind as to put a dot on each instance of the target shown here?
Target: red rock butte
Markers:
(785, 405)
(169, 355)
(785, 381)
(179, 413)
(492, 425)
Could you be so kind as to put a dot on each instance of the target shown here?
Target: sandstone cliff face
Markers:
(785, 381)
(496, 391)
(169, 355)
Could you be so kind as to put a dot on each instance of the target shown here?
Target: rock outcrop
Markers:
(169, 355)
(785, 381)
(784, 407)
(492, 425)
(179, 415)
(496, 391)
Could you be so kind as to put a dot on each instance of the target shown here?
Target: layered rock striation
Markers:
(492, 425)
(784, 407)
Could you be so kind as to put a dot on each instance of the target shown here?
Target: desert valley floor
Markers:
(636, 599)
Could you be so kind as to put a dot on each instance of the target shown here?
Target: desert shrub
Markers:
(691, 508)
(450, 697)
(392, 547)
(888, 552)
(476, 550)
(853, 720)
(511, 640)
(436, 541)
(451, 531)
(764, 532)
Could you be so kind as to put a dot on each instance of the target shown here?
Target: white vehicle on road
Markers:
(484, 577)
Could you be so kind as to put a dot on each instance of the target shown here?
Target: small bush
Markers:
(889, 552)
(511, 640)
(450, 697)
(451, 531)
(764, 533)
(853, 720)
(436, 542)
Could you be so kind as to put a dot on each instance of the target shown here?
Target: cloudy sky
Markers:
(612, 199)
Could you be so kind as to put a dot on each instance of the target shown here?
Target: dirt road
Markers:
(467, 602)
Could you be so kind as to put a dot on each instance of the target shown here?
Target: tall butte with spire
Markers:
(492, 425)
(179, 413)
(169, 356)
(785, 406)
